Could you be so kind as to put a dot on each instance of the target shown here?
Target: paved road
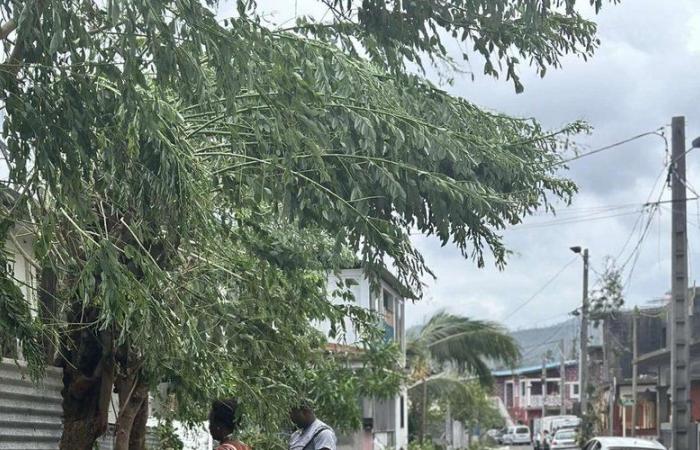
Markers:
(515, 447)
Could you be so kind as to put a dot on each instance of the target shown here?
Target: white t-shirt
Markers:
(323, 439)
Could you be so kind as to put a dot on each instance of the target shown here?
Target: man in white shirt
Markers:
(312, 434)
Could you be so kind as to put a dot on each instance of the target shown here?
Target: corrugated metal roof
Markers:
(529, 369)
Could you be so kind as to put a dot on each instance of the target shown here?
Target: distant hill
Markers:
(537, 342)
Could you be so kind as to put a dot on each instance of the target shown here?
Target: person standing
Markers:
(312, 433)
(224, 419)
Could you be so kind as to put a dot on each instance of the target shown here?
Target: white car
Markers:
(620, 443)
(564, 439)
(518, 435)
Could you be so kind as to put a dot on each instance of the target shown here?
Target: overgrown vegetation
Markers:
(189, 182)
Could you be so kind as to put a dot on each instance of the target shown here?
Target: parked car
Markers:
(517, 435)
(500, 434)
(550, 425)
(620, 443)
(496, 435)
(564, 439)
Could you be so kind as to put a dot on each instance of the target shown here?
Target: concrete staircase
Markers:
(503, 411)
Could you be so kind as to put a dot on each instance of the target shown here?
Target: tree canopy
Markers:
(190, 181)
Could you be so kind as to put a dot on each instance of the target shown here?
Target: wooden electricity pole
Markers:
(544, 385)
(583, 367)
(562, 378)
(680, 351)
(635, 375)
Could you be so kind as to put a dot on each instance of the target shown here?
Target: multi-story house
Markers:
(611, 353)
(385, 421)
(654, 362)
(523, 394)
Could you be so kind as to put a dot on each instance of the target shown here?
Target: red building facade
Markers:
(523, 394)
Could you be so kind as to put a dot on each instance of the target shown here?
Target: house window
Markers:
(536, 388)
(573, 390)
(523, 389)
(402, 408)
(388, 302)
(374, 303)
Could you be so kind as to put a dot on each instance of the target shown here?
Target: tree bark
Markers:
(137, 439)
(133, 396)
(88, 377)
(48, 310)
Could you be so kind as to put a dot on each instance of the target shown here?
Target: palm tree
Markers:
(450, 343)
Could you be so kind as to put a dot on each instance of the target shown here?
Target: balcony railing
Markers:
(535, 401)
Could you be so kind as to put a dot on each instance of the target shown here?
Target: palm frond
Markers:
(465, 344)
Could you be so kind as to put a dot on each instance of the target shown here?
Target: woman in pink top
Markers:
(224, 419)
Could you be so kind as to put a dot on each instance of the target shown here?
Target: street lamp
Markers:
(583, 364)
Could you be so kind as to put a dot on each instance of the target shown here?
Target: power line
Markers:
(640, 208)
(548, 339)
(664, 169)
(656, 132)
(636, 251)
(570, 221)
(539, 291)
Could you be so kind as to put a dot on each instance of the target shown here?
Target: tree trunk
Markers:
(137, 440)
(133, 394)
(424, 412)
(48, 310)
(88, 377)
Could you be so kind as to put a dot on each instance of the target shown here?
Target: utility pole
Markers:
(583, 368)
(680, 354)
(635, 375)
(562, 378)
(544, 385)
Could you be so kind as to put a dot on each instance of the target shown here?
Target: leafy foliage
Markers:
(499, 32)
(190, 182)
(608, 298)
(167, 437)
(461, 343)
(447, 359)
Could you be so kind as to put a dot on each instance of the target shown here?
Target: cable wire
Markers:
(656, 132)
(539, 291)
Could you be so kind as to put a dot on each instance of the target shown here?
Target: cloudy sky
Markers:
(646, 71)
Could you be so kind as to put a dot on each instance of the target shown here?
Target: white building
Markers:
(385, 422)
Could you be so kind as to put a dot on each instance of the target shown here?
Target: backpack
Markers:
(311, 444)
